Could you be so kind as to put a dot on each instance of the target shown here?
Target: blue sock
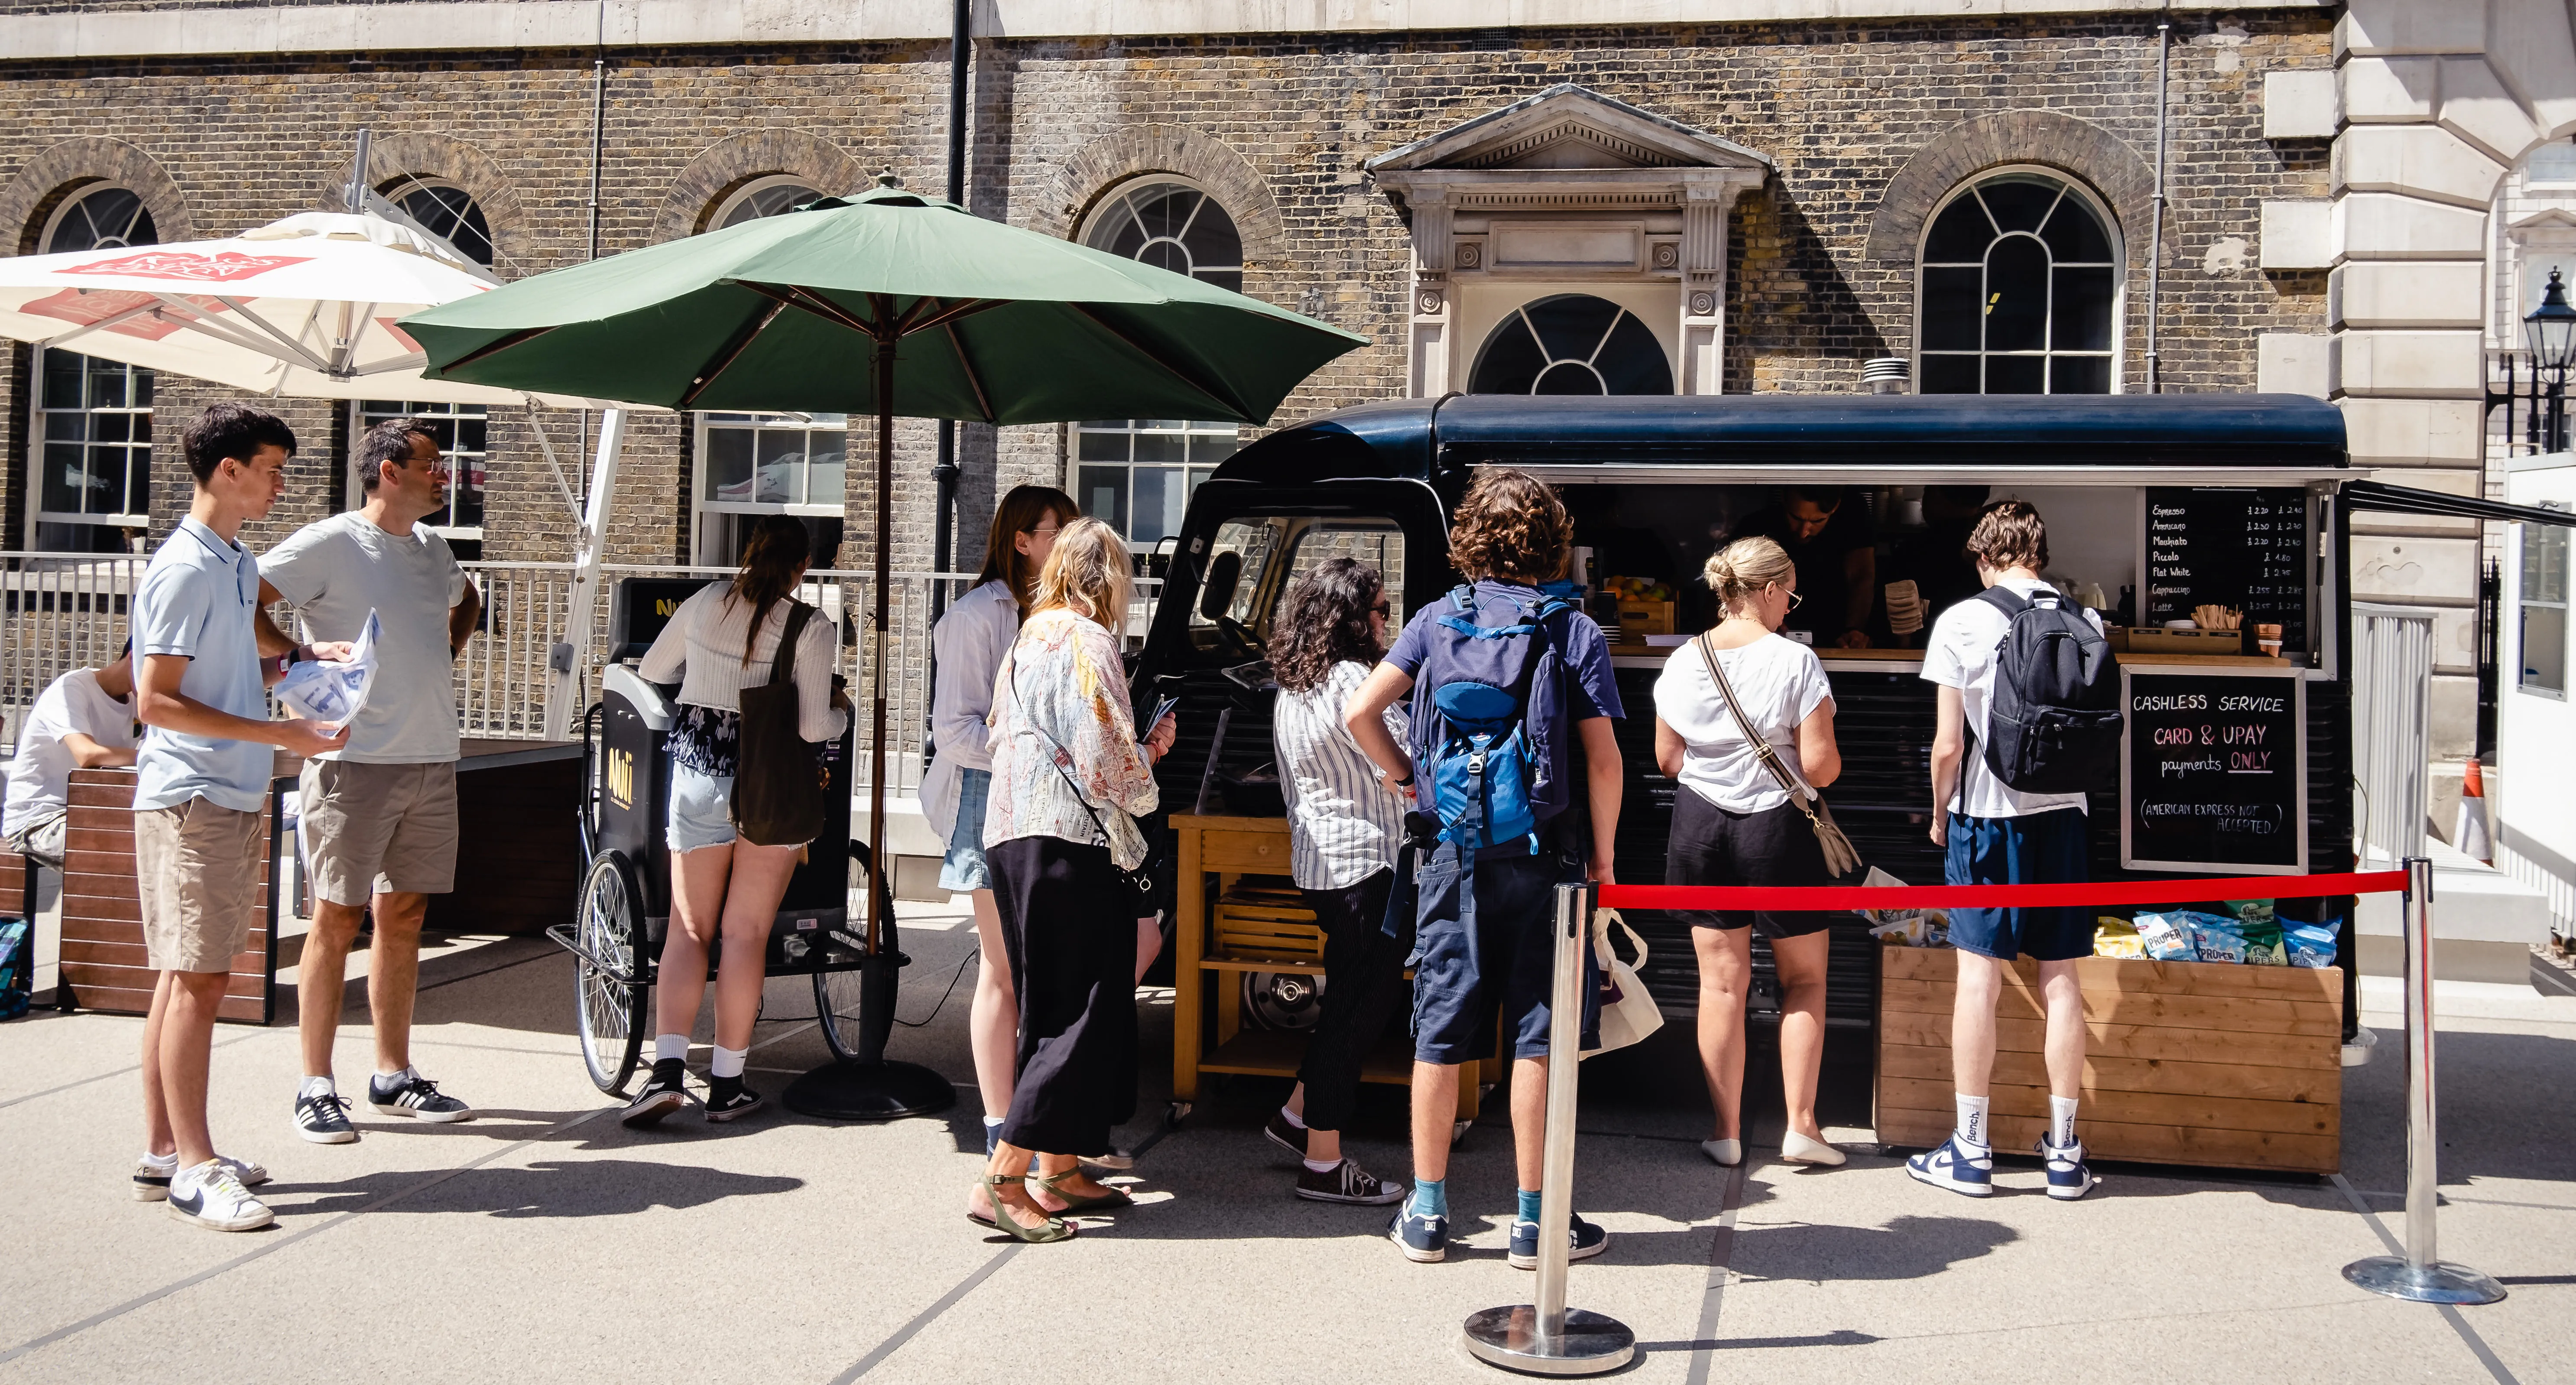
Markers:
(1430, 1198)
(1529, 1205)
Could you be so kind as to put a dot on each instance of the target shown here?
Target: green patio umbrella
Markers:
(886, 303)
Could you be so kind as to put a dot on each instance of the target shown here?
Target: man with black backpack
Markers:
(1508, 686)
(2029, 716)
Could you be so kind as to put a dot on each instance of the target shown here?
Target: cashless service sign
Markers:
(2213, 771)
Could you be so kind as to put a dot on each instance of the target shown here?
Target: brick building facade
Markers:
(1845, 139)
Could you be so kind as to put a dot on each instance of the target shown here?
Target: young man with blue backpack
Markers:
(1512, 691)
(2028, 718)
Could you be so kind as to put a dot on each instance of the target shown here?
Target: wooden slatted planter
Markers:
(2198, 1063)
(102, 958)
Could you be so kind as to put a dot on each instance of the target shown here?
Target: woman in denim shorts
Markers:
(970, 642)
(719, 642)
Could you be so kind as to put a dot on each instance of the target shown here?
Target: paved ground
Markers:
(545, 1242)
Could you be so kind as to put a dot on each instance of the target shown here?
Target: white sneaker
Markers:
(212, 1197)
(1726, 1154)
(1957, 1167)
(152, 1180)
(2068, 1178)
(1798, 1149)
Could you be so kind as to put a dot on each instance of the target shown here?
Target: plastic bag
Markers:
(2312, 944)
(2214, 938)
(1910, 927)
(2263, 942)
(2117, 937)
(2164, 938)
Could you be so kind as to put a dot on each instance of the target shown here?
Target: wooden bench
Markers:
(103, 960)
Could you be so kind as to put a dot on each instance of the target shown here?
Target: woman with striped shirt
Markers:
(1345, 826)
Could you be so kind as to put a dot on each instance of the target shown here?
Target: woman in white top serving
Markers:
(1733, 824)
(970, 642)
(726, 639)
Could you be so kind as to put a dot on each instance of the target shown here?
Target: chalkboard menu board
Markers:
(2213, 774)
(2245, 547)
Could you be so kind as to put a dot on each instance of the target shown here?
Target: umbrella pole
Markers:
(868, 1087)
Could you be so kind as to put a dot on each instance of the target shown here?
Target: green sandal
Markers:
(1054, 1229)
(1107, 1201)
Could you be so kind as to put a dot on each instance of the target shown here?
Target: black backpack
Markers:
(2053, 725)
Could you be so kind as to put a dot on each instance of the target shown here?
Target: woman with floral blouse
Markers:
(1069, 779)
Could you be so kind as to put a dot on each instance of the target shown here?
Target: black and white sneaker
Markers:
(152, 1178)
(410, 1094)
(2068, 1178)
(664, 1092)
(728, 1099)
(1346, 1182)
(1583, 1241)
(211, 1197)
(1291, 1138)
(323, 1118)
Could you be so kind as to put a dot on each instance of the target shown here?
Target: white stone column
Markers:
(1429, 329)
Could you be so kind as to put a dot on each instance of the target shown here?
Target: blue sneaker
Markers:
(1588, 1241)
(2068, 1179)
(1424, 1240)
(1955, 1167)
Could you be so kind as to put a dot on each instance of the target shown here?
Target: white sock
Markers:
(1323, 1165)
(396, 1079)
(184, 1177)
(669, 1046)
(313, 1086)
(1292, 1118)
(2061, 1121)
(163, 1161)
(1972, 1121)
(729, 1061)
(994, 1122)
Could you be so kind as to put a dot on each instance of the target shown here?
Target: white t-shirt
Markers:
(1965, 640)
(336, 570)
(1780, 683)
(40, 775)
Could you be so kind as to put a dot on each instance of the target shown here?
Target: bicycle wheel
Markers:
(836, 1004)
(608, 1011)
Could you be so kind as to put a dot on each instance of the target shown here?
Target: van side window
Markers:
(1246, 560)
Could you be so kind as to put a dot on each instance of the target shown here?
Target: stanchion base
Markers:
(868, 1092)
(2439, 1282)
(1508, 1337)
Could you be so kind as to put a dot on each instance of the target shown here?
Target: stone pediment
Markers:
(1566, 128)
(2548, 224)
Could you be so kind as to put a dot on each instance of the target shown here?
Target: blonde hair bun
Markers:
(1743, 568)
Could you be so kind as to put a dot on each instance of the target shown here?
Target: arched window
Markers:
(749, 465)
(1139, 473)
(1571, 343)
(447, 212)
(2020, 291)
(765, 196)
(93, 421)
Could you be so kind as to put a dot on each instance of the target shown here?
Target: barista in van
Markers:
(1937, 560)
(1834, 547)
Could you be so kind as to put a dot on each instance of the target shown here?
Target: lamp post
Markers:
(2550, 331)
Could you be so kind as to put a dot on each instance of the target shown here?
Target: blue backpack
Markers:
(1480, 753)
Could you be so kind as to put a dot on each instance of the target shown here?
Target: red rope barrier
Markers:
(2107, 892)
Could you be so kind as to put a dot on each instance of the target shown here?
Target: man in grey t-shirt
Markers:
(379, 817)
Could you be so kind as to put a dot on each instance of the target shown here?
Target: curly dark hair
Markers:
(1324, 621)
(1511, 525)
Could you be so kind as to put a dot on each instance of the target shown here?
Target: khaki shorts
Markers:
(196, 867)
(378, 829)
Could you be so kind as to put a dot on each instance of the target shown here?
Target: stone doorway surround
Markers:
(1567, 189)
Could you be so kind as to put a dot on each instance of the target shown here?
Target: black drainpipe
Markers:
(943, 541)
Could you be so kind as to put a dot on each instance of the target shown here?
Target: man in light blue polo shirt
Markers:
(201, 789)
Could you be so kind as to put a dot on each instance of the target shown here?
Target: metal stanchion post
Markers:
(2418, 1275)
(1548, 1338)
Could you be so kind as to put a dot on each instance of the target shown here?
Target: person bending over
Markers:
(82, 720)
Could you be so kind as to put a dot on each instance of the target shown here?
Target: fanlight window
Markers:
(1571, 343)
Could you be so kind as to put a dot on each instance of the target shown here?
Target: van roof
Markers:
(1762, 433)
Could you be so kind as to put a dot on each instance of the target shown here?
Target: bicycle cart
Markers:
(624, 908)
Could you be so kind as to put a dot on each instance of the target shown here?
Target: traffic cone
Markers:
(2471, 834)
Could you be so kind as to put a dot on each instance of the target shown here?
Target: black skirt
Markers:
(1070, 927)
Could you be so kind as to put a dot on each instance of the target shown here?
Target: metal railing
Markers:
(2391, 730)
(2535, 412)
(60, 612)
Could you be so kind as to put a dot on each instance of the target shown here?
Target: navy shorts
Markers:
(1492, 947)
(2042, 849)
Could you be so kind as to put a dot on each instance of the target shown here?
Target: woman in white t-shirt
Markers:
(1733, 824)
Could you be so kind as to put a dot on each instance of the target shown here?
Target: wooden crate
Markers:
(2199, 1063)
(102, 948)
(1250, 928)
(1638, 619)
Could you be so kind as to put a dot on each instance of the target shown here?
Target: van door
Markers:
(1240, 548)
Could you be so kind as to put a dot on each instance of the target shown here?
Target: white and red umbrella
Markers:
(300, 308)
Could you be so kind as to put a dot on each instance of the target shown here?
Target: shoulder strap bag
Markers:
(780, 787)
(1140, 881)
(1840, 858)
